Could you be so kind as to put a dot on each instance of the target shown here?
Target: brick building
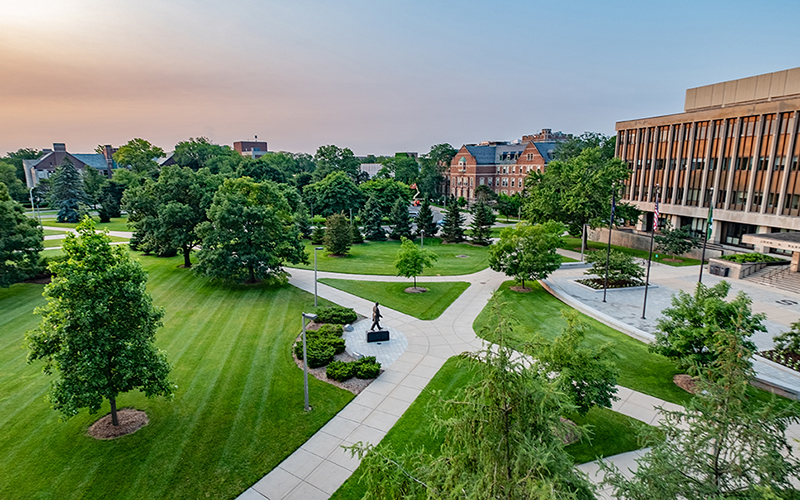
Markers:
(736, 145)
(253, 149)
(44, 166)
(501, 165)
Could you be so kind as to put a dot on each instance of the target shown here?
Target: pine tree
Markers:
(302, 220)
(338, 235)
(482, 221)
(452, 232)
(401, 222)
(66, 192)
(357, 236)
(372, 216)
(425, 219)
(21, 241)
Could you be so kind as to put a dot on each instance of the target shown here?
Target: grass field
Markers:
(237, 410)
(52, 232)
(540, 312)
(377, 257)
(116, 224)
(574, 244)
(611, 433)
(425, 306)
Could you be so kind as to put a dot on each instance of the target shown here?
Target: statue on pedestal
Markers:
(376, 316)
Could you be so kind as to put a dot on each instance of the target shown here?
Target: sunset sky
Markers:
(374, 76)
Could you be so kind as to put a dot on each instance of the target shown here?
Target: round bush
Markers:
(340, 370)
(368, 370)
(336, 315)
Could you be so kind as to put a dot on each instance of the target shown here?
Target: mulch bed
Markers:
(417, 289)
(788, 359)
(685, 382)
(354, 385)
(597, 283)
(520, 289)
(130, 421)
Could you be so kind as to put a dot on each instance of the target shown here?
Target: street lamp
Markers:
(311, 317)
(315, 274)
(422, 241)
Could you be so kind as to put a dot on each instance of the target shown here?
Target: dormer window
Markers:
(462, 164)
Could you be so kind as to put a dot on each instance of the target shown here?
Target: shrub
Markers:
(621, 267)
(317, 236)
(750, 257)
(329, 329)
(336, 343)
(319, 353)
(367, 367)
(340, 370)
(789, 341)
(337, 315)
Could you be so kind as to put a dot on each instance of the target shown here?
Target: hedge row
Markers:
(336, 315)
(366, 367)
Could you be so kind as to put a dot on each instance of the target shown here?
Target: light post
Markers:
(311, 317)
(351, 216)
(33, 207)
(315, 274)
(422, 241)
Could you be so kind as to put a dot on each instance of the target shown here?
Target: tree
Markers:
(442, 155)
(502, 439)
(724, 444)
(404, 168)
(622, 269)
(303, 221)
(98, 327)
(93, 182)
(338, 234)
(452, 232)
(412, 260)
(686, 331)
(676, 241)
(578, 191)
(334, 194)
(16, 188)
(110, 201)
(789, 341)
(372, 217)
(429, 178)
(425, 219)
(330, 159)
(261, 169)
(400, 221)
(201, 152)
(509, 206)
(572, 148)
(484, 193)
(387, 192)
(20, 241)
(17, 156)
(586, 374)
(66, 192)
(139, 156)
(250, 233)
(527, 252)
(483, 219)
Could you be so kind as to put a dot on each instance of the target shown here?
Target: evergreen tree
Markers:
(66, 192)
(401, 222)
(372, 216)
(302, 220)
(425, 219)
(338, 235)
(452, 232)
(20, 241)
(357, 236)
(110, 201)
(482, 221)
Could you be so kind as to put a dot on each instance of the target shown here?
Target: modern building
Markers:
(501, 165)
(735, 145)
(44, 166)
(253, 149)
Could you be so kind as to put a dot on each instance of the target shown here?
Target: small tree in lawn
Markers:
(110, 201)
(676, 241)
(452, 232)
(66, 192)
(483, 219)
(527, 252)
(412, 260)
(98, 327)
(622, 269)
(686, 331)
(338, 235)
(21, 241)
(303, 221)
(358, 236)
(724, 444)
(372, 215)
(401, 222)
(425, 219)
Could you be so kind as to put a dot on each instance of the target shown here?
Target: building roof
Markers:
(488, 154)
(484, 155)
(546, 149)
(93, 160)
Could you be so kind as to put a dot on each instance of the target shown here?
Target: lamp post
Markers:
(422, 240)
(311, 317)
(33, 206)
(315, 274)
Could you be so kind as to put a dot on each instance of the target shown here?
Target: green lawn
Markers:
(540, 312)
(59, 242)
(425, 306)
(236, 414)
(574, 244)
(377, 257)
(116, 224)
(52, 232)
(611, 433)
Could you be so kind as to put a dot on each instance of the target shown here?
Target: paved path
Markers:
(120, 234)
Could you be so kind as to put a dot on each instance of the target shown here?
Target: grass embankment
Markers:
(116, 224)
(612, 433)
(236, 414)
(574, 244)
(377, 257)
(425, 306)
(539, 312)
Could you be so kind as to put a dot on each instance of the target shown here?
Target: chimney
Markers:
(108, 152)
(59, 147)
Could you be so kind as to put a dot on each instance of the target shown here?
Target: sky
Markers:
(375, 76)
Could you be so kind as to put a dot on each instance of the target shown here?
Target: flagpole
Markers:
(650, 257)
(707, 234)
(608, 248)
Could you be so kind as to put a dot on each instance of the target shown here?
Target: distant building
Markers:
(252, 149)
(501, 165)
(43, 167)
(371, 168)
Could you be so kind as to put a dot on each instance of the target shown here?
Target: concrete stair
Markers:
(781, 278)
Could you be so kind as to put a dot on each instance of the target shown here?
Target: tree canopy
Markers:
(452, 230)
(527, 252)
(412, 260)
(201, 152)
(66, 192)
(676, 242)
(372, 218)
(483, 219)
(98, 327)
(334, 194)
(331, 158)
(140, 157)
(400, 220)
(20, 241)
(338, 234)
(386, 192)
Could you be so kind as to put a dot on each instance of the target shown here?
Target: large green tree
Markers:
(16, 187)
(330, 159)
(452, 229)
(372, 218)
(16, 157)
(139, 156)
(386, 192)
(98, 327)
(483, 219)
(250, 233)
(334, 194)
(20, 241)
(573, 147)
(404, 167)
(66, 192)
(338, 234)
(110, 200)
(412, 260)
(93, 182)
(425, 220)
(527, 252)
(201, 152)
(400, 221)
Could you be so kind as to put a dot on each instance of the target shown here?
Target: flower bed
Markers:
(597, 283)
(786, 358)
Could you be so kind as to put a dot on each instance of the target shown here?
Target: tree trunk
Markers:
(186, 261)
(415, 282)
(252, 275)
(523, 283)
(114, 420)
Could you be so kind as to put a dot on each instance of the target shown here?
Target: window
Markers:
(520, 183)
(505, 169)
(490, 181)
(472, 181)
(505, 181)
(530, 157)
(512, 183)
(482, 179)
(792, 202)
